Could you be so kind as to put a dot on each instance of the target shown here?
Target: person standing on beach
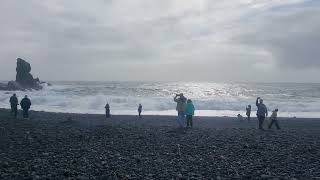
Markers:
(25, 105)
(189, 112)
(14, 103)
(140, 110)
(274, 119)
(262, 112)
(107, 107)
(181, 107)
(248, 113)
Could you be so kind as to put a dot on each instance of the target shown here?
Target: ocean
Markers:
(210, 99)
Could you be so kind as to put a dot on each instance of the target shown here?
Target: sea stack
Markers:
(24, 79)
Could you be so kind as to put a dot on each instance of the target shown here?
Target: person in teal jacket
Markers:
(189, 112)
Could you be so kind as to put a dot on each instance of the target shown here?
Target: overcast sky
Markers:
(163, 40)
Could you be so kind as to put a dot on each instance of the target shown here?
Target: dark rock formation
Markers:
(24, 79)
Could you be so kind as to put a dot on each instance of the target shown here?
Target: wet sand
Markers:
(81, 146)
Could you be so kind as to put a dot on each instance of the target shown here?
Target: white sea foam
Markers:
(210, 99)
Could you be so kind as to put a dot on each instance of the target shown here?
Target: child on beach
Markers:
(240, 117)
(140, 110)
(189, 112)
(248, 113)
(274, 119)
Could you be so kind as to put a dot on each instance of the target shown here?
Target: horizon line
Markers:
(181, 81)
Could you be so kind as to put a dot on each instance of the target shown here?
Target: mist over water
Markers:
(210, 99)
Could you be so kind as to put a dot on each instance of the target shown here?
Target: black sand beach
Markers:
(75, 146)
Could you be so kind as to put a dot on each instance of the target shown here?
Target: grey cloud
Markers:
(140, 40)
(291, 38)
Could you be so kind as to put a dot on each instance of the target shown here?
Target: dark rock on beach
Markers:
(74, 146)
(24, 79)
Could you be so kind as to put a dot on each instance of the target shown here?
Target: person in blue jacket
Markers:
(189, 112)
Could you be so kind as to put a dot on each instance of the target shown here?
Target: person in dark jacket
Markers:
(107, 107)
(181, 107)
(140, 110)
(248, 113)
(274, 119)
(25, 105)
(262, 112)
(14, 104)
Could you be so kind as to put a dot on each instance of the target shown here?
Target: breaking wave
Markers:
(210, 99)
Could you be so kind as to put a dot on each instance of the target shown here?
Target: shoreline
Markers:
(172, 113)
(167, 121)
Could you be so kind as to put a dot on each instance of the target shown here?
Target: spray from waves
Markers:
(210, 99)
